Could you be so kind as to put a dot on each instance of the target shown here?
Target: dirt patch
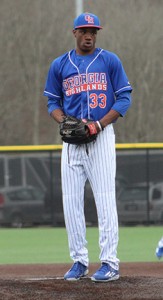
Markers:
(138, 281)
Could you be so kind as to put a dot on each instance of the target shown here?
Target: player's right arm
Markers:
(53, 90)
(58, 115)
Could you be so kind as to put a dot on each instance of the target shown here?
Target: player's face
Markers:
(85, 40)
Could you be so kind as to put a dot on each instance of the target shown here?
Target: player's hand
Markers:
(92, 126)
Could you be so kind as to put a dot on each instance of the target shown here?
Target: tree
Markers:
(34, 32)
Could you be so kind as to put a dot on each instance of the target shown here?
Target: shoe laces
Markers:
(76, 266)
(104, 267)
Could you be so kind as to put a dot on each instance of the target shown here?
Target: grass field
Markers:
(49, 245)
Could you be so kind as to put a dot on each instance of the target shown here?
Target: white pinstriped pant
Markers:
(160, 243)
(99, 166)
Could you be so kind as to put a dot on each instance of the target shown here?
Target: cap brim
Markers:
(84, 26)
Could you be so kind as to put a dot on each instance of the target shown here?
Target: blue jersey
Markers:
(88, 86)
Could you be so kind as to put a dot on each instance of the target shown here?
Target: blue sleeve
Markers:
(53, 87)
(121, 86)
(123, 102)
(119, 80)
(53, 104)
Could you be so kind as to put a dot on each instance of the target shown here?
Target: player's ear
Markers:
(74, 32)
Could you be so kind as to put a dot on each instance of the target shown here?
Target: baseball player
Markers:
(159, 248)
(89, 83)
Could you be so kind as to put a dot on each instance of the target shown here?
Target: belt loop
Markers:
(87, 151)
(68, 153)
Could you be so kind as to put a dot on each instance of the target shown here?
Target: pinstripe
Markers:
(74, 177)
(105, 196)
(99, 167)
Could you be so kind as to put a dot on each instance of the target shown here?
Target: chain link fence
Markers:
(30, 186)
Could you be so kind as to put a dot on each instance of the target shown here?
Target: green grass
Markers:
(139, 243)
(49, 245)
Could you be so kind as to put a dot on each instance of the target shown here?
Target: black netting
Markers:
(139, 186)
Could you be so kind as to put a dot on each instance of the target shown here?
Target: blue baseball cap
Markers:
(87, 20)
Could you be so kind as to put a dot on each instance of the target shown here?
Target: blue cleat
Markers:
(159, 252)
(77, 271)
(105, 273)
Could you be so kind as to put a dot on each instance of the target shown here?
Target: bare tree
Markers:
(34, 32)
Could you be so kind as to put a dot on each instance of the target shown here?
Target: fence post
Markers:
(148, 186)
(51, 190)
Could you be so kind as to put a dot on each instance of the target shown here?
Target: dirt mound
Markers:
(138, 281)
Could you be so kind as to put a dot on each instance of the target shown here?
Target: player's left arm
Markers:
(122, 91)
(122, 104)
(109, 118)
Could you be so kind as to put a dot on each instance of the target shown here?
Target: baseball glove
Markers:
(77, 131)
